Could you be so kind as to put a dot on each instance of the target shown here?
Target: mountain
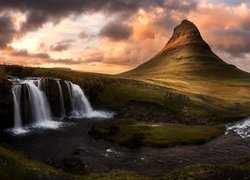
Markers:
(185, 56)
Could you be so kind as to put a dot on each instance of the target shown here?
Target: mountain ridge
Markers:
(186, 53)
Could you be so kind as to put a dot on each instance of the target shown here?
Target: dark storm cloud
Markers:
(7, 30)
(116, 31)
(41, 11)
(167, 21)
(62, 45)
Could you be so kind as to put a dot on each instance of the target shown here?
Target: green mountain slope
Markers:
(188, 66)
(186, 56)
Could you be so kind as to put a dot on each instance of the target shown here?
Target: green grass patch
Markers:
(237, 170)
(131, 133)
(16, 165)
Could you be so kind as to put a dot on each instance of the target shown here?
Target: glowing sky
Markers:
(112, 36)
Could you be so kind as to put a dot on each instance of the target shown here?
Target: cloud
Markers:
(7, 30)
(40, 12)
(116, 31)
(121, 32)
(231, 37)
(234, 41)
(40, 58)
(62, 45)
(83, 35)
(93, 59)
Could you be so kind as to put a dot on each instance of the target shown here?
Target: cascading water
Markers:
(37, 103)
(242, 128)
(81, 107)
(16, 91)
(80, 104)
(40, 106)
(61, 99)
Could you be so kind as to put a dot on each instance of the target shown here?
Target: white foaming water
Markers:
(242, 128)
(16, 91)
(80, 104)
(81, 107)
(40, 108)
(19, 131)
(48, 125)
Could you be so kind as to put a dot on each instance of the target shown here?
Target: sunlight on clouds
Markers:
(221, 24)
(50, 33)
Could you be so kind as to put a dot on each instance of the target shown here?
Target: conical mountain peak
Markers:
(185, 33)
(186, 27)
(186, 54)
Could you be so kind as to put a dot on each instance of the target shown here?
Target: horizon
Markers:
(111, 37)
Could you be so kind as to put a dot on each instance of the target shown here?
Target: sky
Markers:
(113, 36)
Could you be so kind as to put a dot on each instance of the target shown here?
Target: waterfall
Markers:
(80, 104)
(16, 91)
(30, 96)
(40, 106)
(61, 99)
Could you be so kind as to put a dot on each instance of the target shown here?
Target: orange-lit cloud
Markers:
(114, 36)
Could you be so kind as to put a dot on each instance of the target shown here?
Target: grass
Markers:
(2, 73)
(237, 170)
(131, 133)
(211, 100)
(14, 164)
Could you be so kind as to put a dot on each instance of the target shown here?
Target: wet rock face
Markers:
(66, 97)
(50, 88)
(6, 104)
(26, 106)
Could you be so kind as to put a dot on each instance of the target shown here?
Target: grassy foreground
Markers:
(237, 170)
(131, 133)
(14, 165)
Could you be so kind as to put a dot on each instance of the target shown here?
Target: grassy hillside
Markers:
(149, 99)
(188, 66)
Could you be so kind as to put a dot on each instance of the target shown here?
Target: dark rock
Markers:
(113, 130)
(50, 88)
(73, 165)
(6, 104)
(66, 97)
(26, 106)
(95, 133)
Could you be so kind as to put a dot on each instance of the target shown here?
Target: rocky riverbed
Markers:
(73, 141)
